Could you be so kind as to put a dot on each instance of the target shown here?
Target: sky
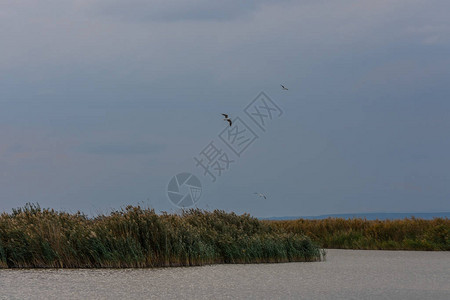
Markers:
(104, 101)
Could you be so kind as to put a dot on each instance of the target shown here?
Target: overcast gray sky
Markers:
(103, 101)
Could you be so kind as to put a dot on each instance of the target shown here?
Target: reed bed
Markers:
(135, 237)
(406, 234)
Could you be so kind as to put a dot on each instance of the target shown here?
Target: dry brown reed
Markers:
(406, 234)
(137, 237)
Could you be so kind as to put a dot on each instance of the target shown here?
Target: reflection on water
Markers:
(346, 274)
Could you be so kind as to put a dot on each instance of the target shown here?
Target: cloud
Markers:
(104, 88)
(438, 34)
(123, 149)
(180, 10)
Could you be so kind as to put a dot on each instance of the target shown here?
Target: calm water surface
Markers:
(346, 274)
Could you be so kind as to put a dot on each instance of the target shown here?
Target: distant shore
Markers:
(369, 216)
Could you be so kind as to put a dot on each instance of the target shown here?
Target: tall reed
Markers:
(137, 237)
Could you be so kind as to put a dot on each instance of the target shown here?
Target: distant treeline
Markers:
(137, 237)
(406, 234)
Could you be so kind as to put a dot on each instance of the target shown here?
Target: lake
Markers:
(346, 274)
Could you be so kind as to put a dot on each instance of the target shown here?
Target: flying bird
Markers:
(284, 88)
(227, 119)
(260, 195)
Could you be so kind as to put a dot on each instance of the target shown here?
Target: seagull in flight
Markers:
(260, 195)
(283, 87)
(227, 119)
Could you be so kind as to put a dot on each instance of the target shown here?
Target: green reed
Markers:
(137, 237)
(406, 234)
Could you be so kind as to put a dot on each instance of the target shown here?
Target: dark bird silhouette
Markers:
(284, 88)
(260, 195)
(227, 119)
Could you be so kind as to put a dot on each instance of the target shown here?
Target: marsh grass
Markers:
(406, 234)
(137, 237)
